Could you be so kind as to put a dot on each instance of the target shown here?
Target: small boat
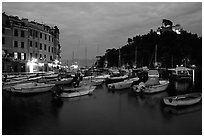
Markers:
(153, 84)
(63, 81)
(183, 100)
(105, 76)
(35, 78)
(162, 86)
(51, 76)
(116, 79)
(121, 85)
(32, 87)
(75, 92)
(8, 87)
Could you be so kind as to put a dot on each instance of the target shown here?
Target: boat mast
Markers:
(72, 57)
(155, 55)
(119, 59)
(86, 56)
(136, 56)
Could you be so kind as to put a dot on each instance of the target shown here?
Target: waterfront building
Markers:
(29, 46)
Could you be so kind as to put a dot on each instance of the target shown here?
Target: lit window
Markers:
(22, 56)
(15, 55)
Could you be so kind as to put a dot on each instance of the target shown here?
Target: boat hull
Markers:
(32, 88)
(183, 100)
(152, 89)
(120, 85)
(77, 92)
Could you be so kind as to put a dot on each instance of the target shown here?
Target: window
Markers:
(3, 40)
(45, 47)
(31, 32)
(19, 55)
(40, 46)
(52, 39)
(22, 56)
(36, 55)
(40, 35)
(15, 55)
(22, 34)
(22, 44)
(36, 44)
(31, 43)
(15, 44)
(45, 36)
(15, 32)
(31, 55)
(45, 56)
(50, 57)
(49, 49)
(49, 38)
(40, 55)
(36, 34)
(52, 49)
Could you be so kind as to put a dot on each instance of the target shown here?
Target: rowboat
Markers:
(8, 87)
(63, 81)
(183, 100)
(121, 85)
(163, 85)
(51, 76)
(75, 92)
(105, 76)
(32, 87)
(116, 79)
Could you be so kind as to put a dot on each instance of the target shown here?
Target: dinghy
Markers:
(183, 100)
(121, 85)
(31, 88)
(75, 92)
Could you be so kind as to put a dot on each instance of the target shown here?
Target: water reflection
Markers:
(182, 85)
(182, 110)
(22, 111)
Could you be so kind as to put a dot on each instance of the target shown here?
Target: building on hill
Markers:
(29, 46)
(167, 26)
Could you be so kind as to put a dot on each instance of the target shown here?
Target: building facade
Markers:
(29, 46)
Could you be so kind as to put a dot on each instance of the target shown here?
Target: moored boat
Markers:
(32, 87)
(62, 81)
(162, 86)
(75, 92)
(121, 85)
(152, 85)
(183, 100)
(181, 73)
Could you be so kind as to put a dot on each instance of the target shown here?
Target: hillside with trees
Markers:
(172, 49)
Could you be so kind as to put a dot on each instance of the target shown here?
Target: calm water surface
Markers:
(103, 113)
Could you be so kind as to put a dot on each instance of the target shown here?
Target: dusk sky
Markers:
(99, 26)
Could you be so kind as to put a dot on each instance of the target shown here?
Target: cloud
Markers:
(105, 25)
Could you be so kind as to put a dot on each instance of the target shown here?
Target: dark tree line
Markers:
(172, 49)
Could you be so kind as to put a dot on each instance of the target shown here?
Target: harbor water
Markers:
(103, 113)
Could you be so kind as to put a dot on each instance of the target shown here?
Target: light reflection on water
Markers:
(105, 112)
